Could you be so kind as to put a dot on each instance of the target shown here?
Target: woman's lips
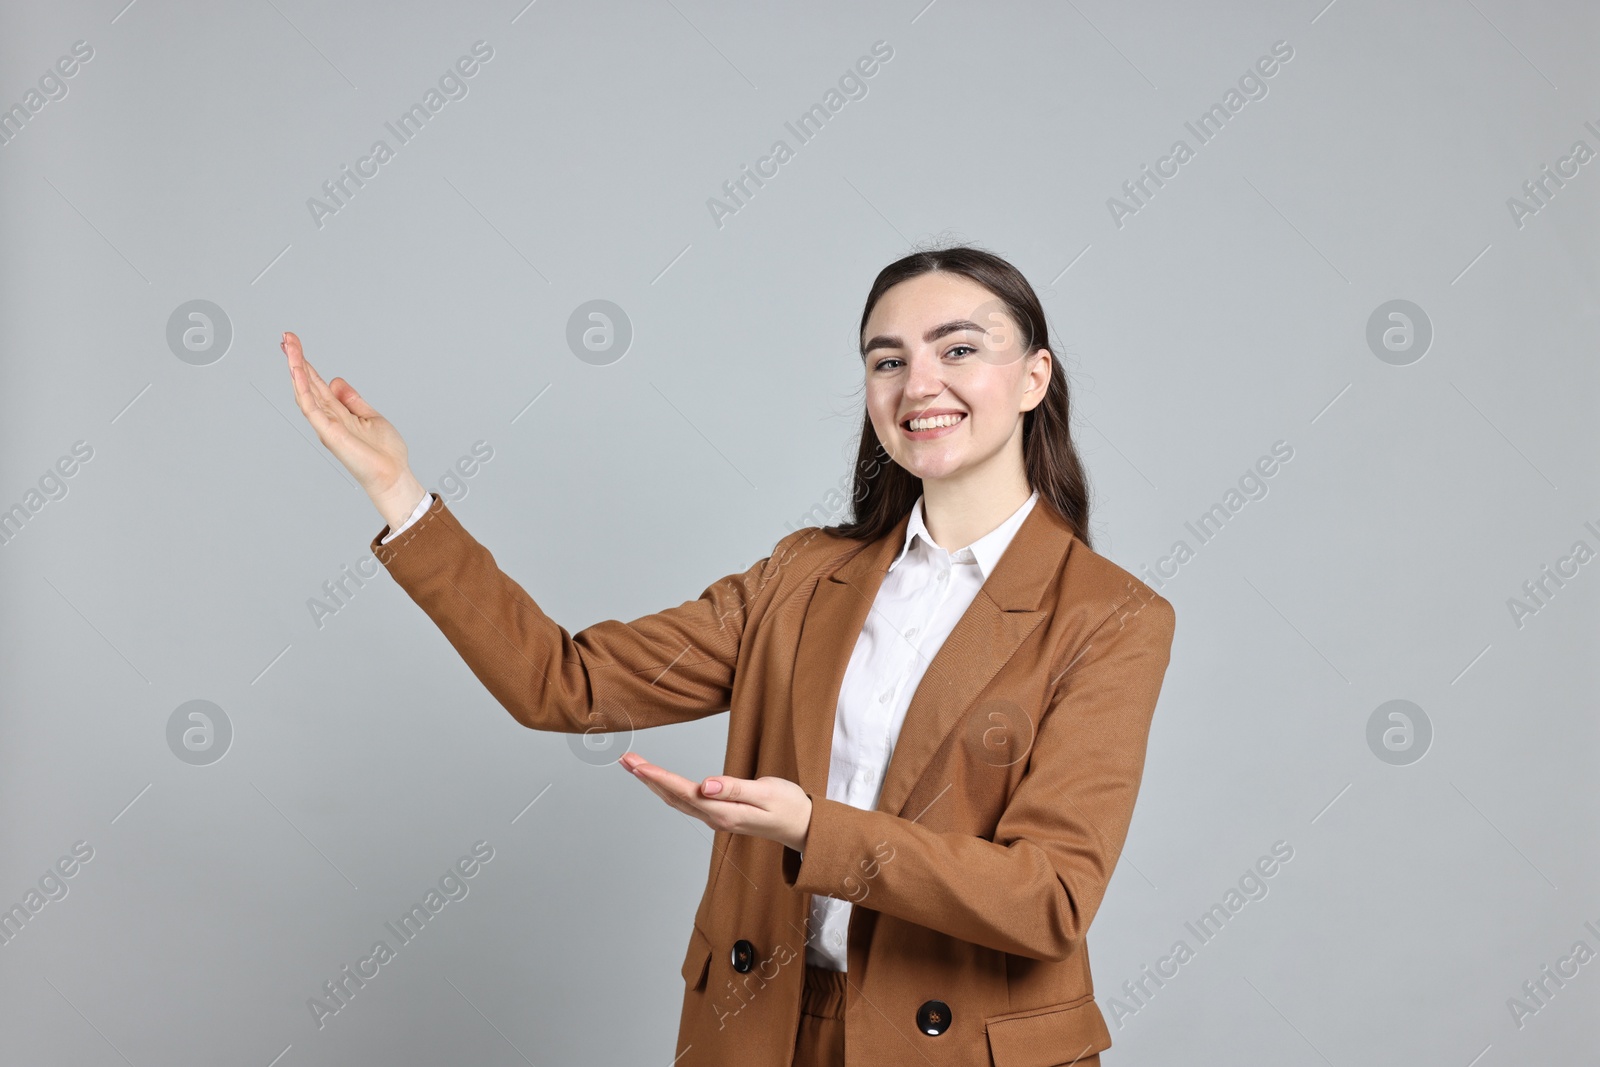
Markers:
(928, 435)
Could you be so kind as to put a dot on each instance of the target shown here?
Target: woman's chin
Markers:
(931, 469)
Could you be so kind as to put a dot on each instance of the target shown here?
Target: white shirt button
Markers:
(911, 632)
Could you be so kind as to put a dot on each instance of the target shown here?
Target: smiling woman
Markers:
(938, 711)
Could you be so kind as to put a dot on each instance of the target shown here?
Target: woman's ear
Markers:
(1039, 372)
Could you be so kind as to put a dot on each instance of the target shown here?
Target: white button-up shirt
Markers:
(924, 594)
(416, 513)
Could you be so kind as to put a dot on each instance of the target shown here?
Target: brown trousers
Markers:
(820, 1041)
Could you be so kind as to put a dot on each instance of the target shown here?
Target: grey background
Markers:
(1229, 313)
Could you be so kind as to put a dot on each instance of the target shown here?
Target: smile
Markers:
(927, 429)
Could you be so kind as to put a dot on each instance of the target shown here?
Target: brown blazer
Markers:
(1002, 813)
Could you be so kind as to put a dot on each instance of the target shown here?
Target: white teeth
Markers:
(934, 423)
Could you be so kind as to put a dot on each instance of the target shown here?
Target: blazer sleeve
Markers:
(1034, 888)
(673, 666)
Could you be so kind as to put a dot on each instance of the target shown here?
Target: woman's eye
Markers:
(959, 351)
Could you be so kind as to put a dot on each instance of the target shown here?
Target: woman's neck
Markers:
(958, 514)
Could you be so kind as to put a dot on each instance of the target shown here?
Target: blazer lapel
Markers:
(834, 619)
(1005, 610)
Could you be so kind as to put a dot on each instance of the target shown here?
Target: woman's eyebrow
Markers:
(954, 326)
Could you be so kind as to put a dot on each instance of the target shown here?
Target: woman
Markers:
(937, 712)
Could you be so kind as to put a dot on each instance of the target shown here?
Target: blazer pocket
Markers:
(1048, 1036)
(697, 961)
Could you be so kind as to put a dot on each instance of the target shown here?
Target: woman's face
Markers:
(943, 344)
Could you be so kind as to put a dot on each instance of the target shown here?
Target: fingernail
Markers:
(713, 787)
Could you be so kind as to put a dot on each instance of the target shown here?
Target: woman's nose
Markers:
(924, 378)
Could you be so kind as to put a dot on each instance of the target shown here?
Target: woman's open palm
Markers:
(368, 445)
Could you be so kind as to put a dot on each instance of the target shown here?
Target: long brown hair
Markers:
(884, 491)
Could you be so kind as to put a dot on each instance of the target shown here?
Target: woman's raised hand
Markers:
(365, 442)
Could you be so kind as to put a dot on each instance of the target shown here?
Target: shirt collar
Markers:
(986, 550)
